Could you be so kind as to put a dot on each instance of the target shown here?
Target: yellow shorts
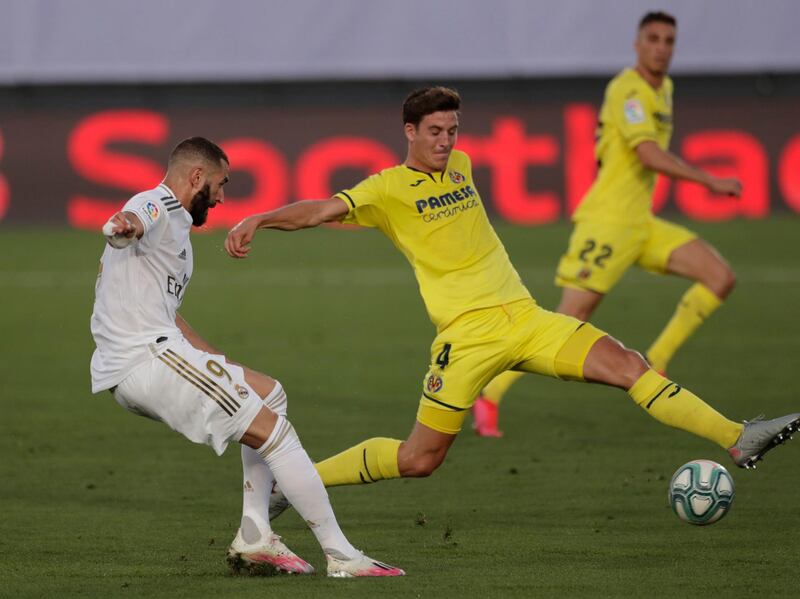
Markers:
(480, 344)
(600, 253)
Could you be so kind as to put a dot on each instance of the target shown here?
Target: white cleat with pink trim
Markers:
(265, 558)
(341, 567)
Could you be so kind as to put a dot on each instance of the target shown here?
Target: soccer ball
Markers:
(701, 492)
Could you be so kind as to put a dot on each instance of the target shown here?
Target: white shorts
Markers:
(200, 395)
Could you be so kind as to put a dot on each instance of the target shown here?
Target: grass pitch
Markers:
(571, 503)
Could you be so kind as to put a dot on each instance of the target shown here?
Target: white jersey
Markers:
(139, 288)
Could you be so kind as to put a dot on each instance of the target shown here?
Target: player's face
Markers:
(654, 46)
(210, 194)
(431, 141)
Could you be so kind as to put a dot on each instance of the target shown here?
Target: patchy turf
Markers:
(571, 502)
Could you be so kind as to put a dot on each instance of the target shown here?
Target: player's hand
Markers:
(237, 244)
(729, 187)
(120, 225)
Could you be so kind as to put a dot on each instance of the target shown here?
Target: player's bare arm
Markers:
(299, 215)
(193, 337)
(654, 158)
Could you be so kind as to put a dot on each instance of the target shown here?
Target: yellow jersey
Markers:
(439, 223)
(632, 112)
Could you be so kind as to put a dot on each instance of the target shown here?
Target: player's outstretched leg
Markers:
(486, 409)
(668, 402)
(674, 405)
(682, 409)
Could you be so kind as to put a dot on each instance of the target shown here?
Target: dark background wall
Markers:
(73, 154)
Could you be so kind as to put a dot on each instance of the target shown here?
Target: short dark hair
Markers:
(195, 148)
(658, 16)
(427, 100)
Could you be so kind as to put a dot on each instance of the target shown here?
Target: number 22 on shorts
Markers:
(600, 259)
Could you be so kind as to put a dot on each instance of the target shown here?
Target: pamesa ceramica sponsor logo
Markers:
(448, 204)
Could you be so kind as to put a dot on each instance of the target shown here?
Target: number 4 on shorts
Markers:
(443, 359)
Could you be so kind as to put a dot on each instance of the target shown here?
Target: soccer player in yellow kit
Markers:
(486, 320)
(614, 223)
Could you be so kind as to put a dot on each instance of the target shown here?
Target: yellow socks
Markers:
(697, 304)
(671, 404)
(368, 462)
(498, 386)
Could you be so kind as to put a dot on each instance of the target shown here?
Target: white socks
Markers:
(258, 481)
(257, 487)
(283, 458)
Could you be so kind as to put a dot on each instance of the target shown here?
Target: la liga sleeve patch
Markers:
(634, 111)
(151, 210)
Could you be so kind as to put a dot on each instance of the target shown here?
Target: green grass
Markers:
(571, 503)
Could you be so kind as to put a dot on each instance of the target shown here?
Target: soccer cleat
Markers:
(484, 418)
(277, 503)
(361, 565)
(759, 436)
(265, 559)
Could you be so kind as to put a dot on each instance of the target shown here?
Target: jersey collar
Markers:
(433, 175)
(186, 214)
(167, 189)
(658, 89)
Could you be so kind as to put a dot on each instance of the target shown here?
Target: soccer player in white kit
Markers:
(156, 366)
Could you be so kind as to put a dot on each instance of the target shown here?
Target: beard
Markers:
(198, 208)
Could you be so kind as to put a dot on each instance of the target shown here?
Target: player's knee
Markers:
(721, 281)
(632, 367)
(727, 283)
(260, 428)
(421, 465)
(261, 383)
(578, 311)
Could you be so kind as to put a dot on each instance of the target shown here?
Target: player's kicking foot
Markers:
(484, 418)
(267, 558)
(760, 436)
(361, 565)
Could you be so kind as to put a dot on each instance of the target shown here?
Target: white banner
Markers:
(61, 41)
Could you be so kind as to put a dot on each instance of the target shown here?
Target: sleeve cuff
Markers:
(635, 140)
(343, 195)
